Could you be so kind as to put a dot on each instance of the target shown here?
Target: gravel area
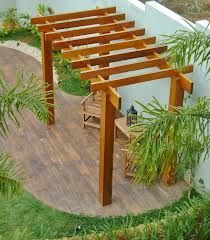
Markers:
(27, 49)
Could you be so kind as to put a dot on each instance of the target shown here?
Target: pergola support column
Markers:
(106, 149)
(175, 100)
(47, 74)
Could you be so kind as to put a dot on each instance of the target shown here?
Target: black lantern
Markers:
(131, 116)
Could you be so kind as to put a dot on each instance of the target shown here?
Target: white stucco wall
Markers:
(30, 6)
(5, 4)
(159, 20)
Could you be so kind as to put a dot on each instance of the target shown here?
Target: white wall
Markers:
(30, 6)
(4, 4)
(159, 20)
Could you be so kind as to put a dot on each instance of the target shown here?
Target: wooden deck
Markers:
(61, 161)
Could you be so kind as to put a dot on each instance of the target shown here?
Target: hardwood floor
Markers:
(61, 161)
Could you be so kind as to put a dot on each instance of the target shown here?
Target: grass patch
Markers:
(70, 81)
(191, 221)
(27, 215)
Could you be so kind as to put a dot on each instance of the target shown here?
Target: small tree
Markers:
(24, 95)
(185, 131)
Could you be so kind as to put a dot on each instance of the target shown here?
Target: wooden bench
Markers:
(120, 125)
(91, 110)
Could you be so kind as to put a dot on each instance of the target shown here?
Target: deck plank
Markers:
(62, 160)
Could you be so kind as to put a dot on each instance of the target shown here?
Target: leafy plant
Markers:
(184, 131)
(24, 20)
(70, 81)
(187, 46)
(44, 10)
(191, 221)
(9, 18)
(24, 95)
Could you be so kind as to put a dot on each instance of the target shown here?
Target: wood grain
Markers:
(47, 74)
(117, 57)
(108, 47)
(62, 161)
(98, 38)
(80, 22)
(133, 80)
(72, 15)
(89, 30)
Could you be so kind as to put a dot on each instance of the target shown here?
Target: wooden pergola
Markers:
(99, 32)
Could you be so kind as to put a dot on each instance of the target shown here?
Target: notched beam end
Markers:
(186, 83)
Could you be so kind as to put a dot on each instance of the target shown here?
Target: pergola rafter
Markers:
(108, 31)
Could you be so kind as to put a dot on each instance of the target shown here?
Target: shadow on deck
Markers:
(62, 161)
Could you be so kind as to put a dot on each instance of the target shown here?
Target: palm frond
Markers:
(187, 46)
(184, 131)
(11, 176)
(24, 95)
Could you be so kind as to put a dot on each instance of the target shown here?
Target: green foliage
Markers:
(44, 10)
(184, 131)
(27, 35)
(191, 221)
(23, 95)
(24, 21)
(28, 215)
(70, 81)
(11, 176)
(9, 17)
(187, 46)
(17, 235)
(12, 20)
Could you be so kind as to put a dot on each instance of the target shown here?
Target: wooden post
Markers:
(106, 149)
(175, 100)
(47, 74)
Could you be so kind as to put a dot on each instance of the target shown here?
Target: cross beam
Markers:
(108, 31)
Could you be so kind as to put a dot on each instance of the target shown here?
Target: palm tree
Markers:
(188, 126)
(24, 95)
(187, 46)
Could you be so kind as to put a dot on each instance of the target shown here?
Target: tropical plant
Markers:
(187, 46)
(184, 131)
(44, 10)
(24, 95)
(9, 18)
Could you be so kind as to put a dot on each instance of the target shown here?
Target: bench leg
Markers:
(115, 132)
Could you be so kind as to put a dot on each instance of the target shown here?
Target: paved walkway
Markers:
(61, 161)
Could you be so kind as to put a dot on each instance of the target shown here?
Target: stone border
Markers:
(29, 50)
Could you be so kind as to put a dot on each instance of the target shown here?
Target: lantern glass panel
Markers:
(131, 117)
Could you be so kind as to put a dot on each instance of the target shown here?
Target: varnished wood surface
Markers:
(62, 161)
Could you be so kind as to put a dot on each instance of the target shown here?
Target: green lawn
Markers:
(30, 216)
